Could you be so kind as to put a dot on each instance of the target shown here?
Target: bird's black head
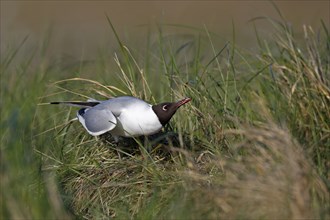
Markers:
(166, 110)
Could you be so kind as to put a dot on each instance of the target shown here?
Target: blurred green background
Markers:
(258, 74)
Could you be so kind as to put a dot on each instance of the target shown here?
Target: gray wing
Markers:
(117, 105)
(97, 121)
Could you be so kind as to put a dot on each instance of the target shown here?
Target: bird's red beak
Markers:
(183, 101)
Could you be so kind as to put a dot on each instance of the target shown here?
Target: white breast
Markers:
(137, 121)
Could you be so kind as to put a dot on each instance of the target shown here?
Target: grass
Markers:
(253, 143)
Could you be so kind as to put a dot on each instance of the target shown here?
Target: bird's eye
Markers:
(165, 107)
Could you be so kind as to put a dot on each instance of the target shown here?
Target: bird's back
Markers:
(121, 104)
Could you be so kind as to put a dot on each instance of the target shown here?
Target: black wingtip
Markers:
(82, 111)
(77, 103)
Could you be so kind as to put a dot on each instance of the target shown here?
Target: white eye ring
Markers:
(165, 107)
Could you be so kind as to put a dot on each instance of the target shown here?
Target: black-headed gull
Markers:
(124, 116)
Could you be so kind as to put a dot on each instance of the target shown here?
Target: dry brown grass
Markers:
(271, 179)
(268, 177)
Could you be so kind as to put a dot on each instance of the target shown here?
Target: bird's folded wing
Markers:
(97, 121)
